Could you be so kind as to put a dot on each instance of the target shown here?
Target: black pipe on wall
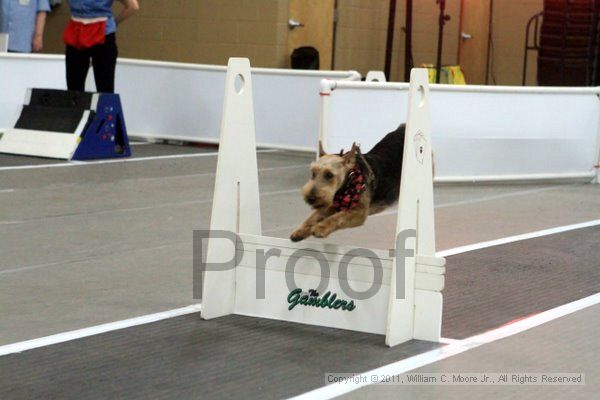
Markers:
(390, 39)
(441, 22)
(408, 60)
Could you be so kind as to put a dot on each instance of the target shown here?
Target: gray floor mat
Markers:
(490, 287)
(187, 358)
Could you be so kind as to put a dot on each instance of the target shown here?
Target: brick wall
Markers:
(210, 31)
(200, 31)
(362, 32)
(425, 32)
(509, 22)
(361, 35)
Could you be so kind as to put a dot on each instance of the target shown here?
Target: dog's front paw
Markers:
(321, 230)
(300, 234)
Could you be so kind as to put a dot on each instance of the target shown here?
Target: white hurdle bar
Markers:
(298, 282)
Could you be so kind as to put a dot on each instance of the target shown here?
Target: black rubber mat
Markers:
(61, 98)
(51, 119)
(187, 358)
(490, 287)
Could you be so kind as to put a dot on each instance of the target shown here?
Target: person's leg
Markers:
(78, 64)
(104, 60)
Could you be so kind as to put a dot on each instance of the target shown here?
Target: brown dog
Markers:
(345, 188)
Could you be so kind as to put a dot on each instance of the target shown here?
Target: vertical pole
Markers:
(441, 23)
(489, 44)
(526, 52)
(460, 31)
(324, 92)
(335, 22)
(597, 165)
(408, 61)
(390, 39)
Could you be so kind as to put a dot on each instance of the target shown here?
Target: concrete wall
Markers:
(210, 31)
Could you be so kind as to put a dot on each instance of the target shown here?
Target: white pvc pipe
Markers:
(324, 94)
(583, 176)
(335, 85)
(352, 75)
(597, 165)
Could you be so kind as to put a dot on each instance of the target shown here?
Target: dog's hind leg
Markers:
(340, 220)
(305, 229)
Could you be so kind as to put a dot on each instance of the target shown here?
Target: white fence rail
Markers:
(480, 133)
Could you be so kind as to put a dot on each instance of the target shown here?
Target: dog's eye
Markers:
(328, 176)
(313, 175)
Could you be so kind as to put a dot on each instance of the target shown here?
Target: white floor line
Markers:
(443, 253)
(124, 324)
(85, 258)
(448, 340)
(500, 196)
(10, 222)
(480, 199)
(517, 238)
(443, 205)
(186, 176)
(132, 209)
(164, 178)
(461, 346)
(118, 160)
(95, 330)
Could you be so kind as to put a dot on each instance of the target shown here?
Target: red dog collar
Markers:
(349, 195)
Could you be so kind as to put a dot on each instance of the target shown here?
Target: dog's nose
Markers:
(311, 199)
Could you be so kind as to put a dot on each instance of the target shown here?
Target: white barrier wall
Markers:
(183, 101)
(480, 133)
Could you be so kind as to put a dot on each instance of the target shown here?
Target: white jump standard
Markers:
(316, 282)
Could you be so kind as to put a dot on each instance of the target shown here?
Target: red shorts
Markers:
(83, 36)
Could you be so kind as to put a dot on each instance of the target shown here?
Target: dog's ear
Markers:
(321, 151)
(350, 157)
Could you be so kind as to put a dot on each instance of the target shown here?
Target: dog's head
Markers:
(328, 174)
